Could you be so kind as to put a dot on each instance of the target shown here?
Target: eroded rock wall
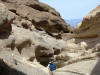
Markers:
(30, 34)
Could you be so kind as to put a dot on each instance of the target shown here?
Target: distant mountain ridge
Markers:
(73, 22)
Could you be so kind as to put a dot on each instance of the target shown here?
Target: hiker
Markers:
(51, 66)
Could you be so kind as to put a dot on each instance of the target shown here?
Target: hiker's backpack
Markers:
(52, 66)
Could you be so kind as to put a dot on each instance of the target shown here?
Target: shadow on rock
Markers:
(96, 69)
(6, 70)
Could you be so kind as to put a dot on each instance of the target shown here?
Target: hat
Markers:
(51, 61)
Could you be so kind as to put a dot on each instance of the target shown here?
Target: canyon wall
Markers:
(30, 35)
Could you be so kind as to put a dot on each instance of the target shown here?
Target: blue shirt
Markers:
(52, 66)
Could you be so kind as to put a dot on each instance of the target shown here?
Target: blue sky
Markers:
(73, 9)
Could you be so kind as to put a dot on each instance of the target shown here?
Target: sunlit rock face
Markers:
(90, 26)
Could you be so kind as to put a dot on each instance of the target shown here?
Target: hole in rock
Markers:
(38, 7)
(5, 29)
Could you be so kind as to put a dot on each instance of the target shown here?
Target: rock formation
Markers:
(42, 16)
(30, 34)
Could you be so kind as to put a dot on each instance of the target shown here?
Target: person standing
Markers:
(51, 66)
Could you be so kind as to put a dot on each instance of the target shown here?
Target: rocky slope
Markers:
(30, 34)
(90, 28)
(90, 25)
